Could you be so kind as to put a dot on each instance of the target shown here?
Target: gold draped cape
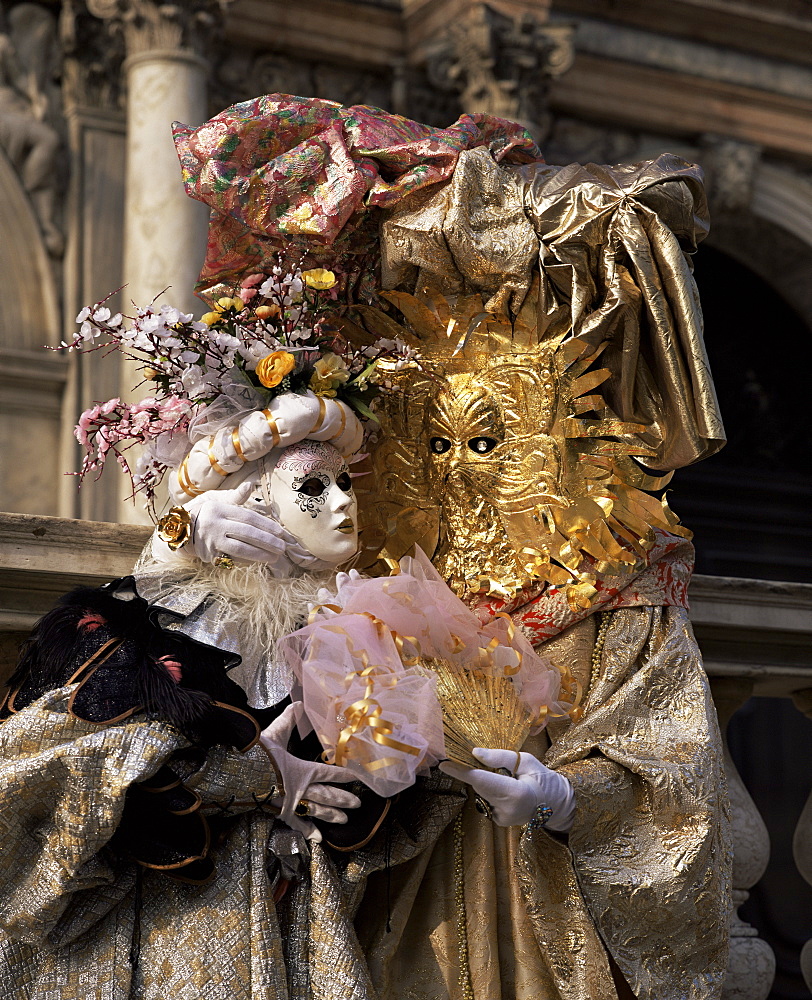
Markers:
(643, 875)
(610, 247)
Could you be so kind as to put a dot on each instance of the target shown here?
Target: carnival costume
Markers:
(559, 333)
(522, 289)
(142, 791)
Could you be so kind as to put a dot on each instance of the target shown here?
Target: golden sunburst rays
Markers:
(559, 496)
(608, 518)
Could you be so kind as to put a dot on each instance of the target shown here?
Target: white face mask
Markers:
(312, 498)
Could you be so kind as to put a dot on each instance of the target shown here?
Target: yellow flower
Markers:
(271, 370)
(328, 373)
(302, 213)
(322, 386)
(210, 318)
(319, 278)
(331, 366)
(175, 528)
(226, 303)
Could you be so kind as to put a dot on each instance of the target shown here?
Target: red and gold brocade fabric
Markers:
(280, 171)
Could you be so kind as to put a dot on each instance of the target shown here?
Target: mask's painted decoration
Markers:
(309, 492)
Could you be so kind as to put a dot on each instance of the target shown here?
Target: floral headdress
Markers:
(277, 335)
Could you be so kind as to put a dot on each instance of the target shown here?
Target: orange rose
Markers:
(271, 370)
(266, 312)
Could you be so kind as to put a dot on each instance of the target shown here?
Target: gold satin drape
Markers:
(609, 245)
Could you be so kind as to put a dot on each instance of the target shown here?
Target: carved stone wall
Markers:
(31, 123)
(32, 174)
(495, 64)
(238, 76)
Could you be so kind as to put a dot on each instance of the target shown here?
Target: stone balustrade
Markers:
(754, 635)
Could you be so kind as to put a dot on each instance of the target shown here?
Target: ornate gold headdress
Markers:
(500, 456)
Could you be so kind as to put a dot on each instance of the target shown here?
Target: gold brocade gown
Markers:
(646, 880)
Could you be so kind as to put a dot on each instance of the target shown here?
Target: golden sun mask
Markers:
(500, 460)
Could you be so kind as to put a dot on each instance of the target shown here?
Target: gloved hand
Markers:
(303, 780)
(222, 527)
(515, 799)
(326, 596)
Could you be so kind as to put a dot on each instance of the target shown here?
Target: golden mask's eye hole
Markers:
(439, 445)
(482, 445)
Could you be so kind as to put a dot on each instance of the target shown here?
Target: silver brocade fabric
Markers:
(68, 905)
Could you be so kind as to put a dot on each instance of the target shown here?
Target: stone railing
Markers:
(755, 638)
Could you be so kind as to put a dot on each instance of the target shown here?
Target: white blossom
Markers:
(269, 286)
(252, 352)
(173, 316)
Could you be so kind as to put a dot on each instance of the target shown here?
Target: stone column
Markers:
(164, 230)
(751, 966)
(166, 76)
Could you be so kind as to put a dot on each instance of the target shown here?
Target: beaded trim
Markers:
(466, 989)
(540, 818)
(597, 651)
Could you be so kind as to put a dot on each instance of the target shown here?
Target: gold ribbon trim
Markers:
(185, 480)
(274, 429)
(366, 714)
(320, 418)
(235, 440)
(213, 461)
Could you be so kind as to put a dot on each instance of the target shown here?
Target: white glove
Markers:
(302, 781)
(515, 799)
(326, 596)
(222, 527)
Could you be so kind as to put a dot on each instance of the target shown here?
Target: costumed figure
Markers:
(559, 377)
(152, 813)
